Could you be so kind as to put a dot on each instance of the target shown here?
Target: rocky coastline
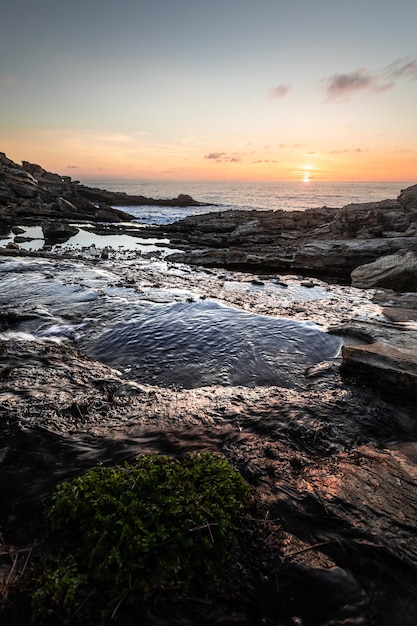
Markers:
(322, 242)
(30, 195)
(333, 458)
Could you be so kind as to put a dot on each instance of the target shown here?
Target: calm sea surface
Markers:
(245, 195)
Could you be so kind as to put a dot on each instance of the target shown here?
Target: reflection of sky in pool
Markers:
(85, 239)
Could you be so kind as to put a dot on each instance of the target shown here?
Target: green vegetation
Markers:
(131, 531)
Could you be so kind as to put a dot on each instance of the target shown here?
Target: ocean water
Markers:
(221, 195)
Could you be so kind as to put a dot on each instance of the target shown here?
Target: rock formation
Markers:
(395, 271)
(323, 242)
(29, 193)
(373, 244)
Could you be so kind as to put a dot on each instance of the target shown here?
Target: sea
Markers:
(222, 195)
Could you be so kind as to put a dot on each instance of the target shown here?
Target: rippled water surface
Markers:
(194, 344)
(164, 340)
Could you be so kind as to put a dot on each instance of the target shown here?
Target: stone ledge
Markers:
(390, 368)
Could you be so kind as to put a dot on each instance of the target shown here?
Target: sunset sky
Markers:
(226, 89)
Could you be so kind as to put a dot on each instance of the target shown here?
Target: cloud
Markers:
(341, 86)
(276, 93)
(291, 146)
(215, 155)
(346, 150)
(72, 167)
(402, 68)
(265, 161)
(223, 157)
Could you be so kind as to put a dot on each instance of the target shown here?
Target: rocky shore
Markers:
(333, 458)
(323, 242)
(30, 194)
(371, 245)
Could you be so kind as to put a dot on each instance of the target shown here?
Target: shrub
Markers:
(138, 529)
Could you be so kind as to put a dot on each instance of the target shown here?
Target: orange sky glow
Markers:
(186, 91)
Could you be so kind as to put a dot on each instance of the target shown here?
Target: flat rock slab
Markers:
(391, 368)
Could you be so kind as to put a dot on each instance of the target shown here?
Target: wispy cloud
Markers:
(223, 157)
(276, 93)
(265, 161)
(341, 86)
(291, 146)
(403, 68)
(346, 150)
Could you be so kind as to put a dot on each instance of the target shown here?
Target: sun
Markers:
(306, 172)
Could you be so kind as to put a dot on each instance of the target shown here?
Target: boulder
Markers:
(389, 367)
(58, 232)
(381, 354)
(395, 271)
(24, 190)
(66, 207)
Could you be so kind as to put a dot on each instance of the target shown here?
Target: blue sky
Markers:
(230, 89)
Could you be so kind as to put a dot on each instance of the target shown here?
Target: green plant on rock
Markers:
(140, 528)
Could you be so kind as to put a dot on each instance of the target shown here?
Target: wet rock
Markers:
(333, 463)
(22, 239)
(386, 360)
(389, 368)
(12, 245)
(58, 232)
(396, 271)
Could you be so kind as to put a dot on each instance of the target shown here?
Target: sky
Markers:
(268, 90)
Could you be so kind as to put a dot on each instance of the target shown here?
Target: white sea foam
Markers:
(11, 335)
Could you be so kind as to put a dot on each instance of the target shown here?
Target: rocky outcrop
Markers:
(324, 242)
(29, 193)
(58, 232)
(383, 365)
(384, 355)
(395, 271)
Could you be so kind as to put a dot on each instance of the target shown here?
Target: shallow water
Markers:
(203, 343)
(163, 336)
(87, 239)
